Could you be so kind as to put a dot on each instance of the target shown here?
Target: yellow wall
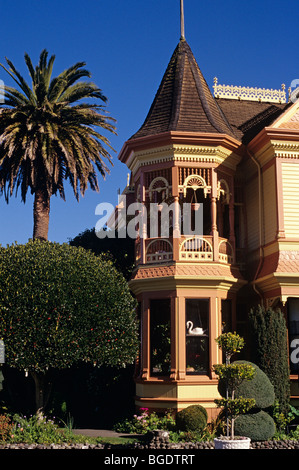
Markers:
(252, 204)
(269, 205)
(290, 182)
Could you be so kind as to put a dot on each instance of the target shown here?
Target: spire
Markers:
(184, 101)
(182, 20)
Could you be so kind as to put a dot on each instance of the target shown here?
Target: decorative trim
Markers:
(195, 182)
(249, 93)
(286, 150)
(181, 154)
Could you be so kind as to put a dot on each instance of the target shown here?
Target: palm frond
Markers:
(50, 134)
(17, 77)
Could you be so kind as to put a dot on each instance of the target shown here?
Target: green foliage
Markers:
(121, 250)
(35, 429)
(62, 305)
(258, 426)
(236, 406)
(283, 419)
(270, 350)
(48, 134)
(233, 375)
(261, 391)
(230, 343)
(192, 418)
(144, 422)
(258, 387)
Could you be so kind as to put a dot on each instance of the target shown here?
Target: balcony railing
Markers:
(193, 248)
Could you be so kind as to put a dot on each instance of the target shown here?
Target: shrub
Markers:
(259, 426)
(5, 427)
(232, 376)
(35, 429)
(192, 418)
(270, 350)
(146, 421)
(259, 388)
(62, 306)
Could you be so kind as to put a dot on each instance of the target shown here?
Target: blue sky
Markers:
(127, 45)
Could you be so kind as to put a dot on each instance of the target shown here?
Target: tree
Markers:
(61, 306)
(48, 135)
(120, 249)
(270, 350)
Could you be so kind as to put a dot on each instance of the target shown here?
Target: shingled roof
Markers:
(184, 101)
(247, 118)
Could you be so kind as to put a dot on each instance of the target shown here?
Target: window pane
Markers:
(160, 336)
(197, 336)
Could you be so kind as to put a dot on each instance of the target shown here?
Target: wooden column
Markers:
(214, 330)
(181, 338)
(142, 229)
(232, 238)
(145, 340)
(214, 215)
(176, 218)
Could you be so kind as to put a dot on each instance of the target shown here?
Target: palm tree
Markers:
(48, 135)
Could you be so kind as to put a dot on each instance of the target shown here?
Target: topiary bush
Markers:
(192, 418)
(259, 388)
(258, 425)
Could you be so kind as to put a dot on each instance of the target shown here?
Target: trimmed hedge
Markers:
(259, 388)
(259, 426)
(192, 418)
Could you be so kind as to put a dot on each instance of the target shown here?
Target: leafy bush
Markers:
(269, 341)
(259, 426)
(36, 429)
(282, 420)
(259, 387)
(146, 421)
(232, 376)
(192, 418)
(62, 306)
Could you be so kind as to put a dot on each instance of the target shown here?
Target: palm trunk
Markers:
(41, 214)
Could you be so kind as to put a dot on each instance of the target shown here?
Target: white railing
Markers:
(158, 251)
(196, 249)
(193, 248)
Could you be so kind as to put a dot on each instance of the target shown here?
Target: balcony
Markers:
(190, 249)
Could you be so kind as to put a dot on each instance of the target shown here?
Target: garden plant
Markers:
(233, 375)
(62, 306)
(269, 346)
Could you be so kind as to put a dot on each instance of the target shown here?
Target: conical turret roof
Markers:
(184, 101)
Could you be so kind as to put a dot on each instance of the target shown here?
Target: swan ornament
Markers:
(194, 331)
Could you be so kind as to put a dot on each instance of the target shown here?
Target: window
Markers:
(197, 336)
(160, 337)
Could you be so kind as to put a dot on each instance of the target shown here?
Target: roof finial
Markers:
(182, 20)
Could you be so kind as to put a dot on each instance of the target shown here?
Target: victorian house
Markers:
(234, 152)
